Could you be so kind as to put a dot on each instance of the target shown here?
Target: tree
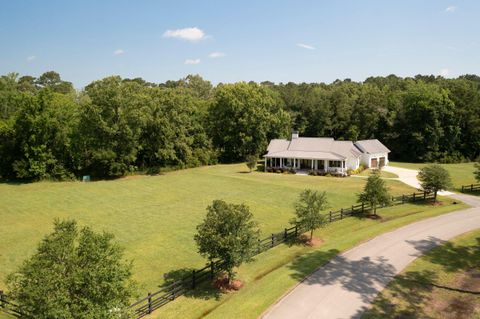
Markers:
(434, 178)
(375, 192)
(73, 274)
(252, 162)
(477, 172)
(228, 233)
(308, 210)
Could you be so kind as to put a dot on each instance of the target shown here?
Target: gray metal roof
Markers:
(372, 146)
(312, 148)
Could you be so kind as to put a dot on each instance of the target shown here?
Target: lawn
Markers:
(444, 283)
(385, 174)
(462, 173)
(154, 218)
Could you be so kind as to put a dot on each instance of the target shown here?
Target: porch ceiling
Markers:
(306, 155)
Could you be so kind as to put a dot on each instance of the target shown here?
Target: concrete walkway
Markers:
(346, 286)
(409, 177)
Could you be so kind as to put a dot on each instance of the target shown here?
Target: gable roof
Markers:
(312, 148)
(371, 146)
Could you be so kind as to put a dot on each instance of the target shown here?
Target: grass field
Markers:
(454, 265)
(385, 174)
(154, 218)
(462, 174)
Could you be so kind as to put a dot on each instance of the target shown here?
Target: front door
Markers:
(374, 162)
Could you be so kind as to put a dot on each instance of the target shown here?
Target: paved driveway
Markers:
(409, 177)
(350, 282)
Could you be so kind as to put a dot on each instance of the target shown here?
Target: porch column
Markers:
(312, 164)
(316, 164)
(325, 165)
(294, 167)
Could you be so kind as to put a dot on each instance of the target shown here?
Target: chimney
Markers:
(294, 135)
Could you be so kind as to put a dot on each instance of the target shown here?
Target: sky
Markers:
(229, 41)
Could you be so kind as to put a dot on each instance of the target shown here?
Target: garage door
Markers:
(374, 162)
(382, 161)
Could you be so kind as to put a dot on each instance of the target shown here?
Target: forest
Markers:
(115, 126)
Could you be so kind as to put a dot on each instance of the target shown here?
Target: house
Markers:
(324, 154)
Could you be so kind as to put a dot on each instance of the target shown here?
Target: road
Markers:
(346, 286)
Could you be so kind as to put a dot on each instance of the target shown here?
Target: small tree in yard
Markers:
(477, 172)
(74, 274)
(308, 210)
(251, 162)
(228, 233)
(434, 178)
(375, 192)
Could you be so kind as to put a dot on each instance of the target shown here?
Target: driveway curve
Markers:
(346, 286)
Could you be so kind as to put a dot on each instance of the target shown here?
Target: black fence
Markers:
(171, 291)
(471, 188)
(9, 307)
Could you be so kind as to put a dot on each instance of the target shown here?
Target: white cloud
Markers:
(451, 9)
(306, 46)
(444, 72)
(216, 55)
(31, 58)
(118, 52)
(189, 34)
(192, 61)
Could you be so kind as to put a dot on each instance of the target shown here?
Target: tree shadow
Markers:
(204, 288)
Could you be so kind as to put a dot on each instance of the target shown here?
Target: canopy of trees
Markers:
(114, 126)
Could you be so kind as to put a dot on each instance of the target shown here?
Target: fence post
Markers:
(403, 199)
(352, 210)
(330, 216)
(414, 197)
(471, 188)
(259, 248)
(273, 240)
(149, 303)
(212, 270)
(285, 235)
(341, 213)
(194, 278)
(2, 299)
(424, 195)
(296, 231)
(363, 207)
(462, 188)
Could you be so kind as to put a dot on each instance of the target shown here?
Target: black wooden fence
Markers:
(170, 292)
(471, 188)
(9, 307)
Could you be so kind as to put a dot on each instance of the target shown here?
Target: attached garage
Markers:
(374, 153)
(374, 162)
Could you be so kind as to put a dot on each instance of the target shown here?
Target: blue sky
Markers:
(228, 41)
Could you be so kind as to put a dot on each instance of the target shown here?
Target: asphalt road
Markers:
(346, 286)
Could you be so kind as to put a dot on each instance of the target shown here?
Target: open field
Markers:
(385, 174)
(154, 218)
(451, 266)
(462, 173)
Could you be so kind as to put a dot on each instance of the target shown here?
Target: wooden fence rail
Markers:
(471, 188)
(171, 291)
(9, 307)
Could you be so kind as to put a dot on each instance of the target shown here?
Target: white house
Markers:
(324, 154)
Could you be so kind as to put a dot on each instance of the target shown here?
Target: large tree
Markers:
(228, 233)
(74, 274)
(243, 118)
(434, 178)
(375, 192)
(308, 210)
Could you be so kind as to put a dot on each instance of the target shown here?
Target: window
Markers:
(335, 163)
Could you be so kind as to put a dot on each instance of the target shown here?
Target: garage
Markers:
(374, 162)
(382, 161)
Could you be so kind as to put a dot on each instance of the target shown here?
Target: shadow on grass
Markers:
(203, 289)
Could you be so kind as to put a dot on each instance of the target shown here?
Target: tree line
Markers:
(114, 126)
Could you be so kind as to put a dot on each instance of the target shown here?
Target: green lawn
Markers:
(154, 218)
(450, 267)
(385, 174)
(462, 174)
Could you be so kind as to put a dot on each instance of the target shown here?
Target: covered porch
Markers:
(306, 164)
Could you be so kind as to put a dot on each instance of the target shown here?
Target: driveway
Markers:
(409, 177)
(346, 286)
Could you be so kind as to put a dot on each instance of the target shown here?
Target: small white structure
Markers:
(324, 154)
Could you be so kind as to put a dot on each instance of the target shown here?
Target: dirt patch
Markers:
(314, 242)
(435, 204)
(224, 285)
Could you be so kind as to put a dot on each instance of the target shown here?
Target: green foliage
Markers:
(434, 178)
(477, 172)
(375, 192)
(243, 119)
(252, 162)
(228, 233)
(73, 274)
(308, 210)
